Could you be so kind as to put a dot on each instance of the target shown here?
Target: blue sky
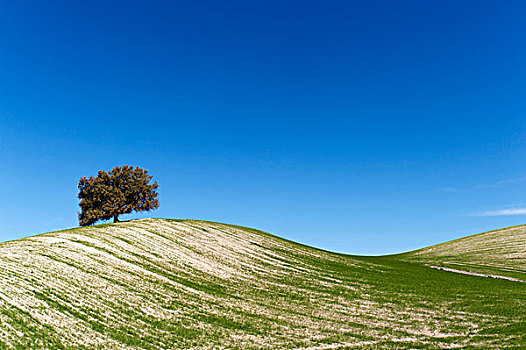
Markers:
(363, 127)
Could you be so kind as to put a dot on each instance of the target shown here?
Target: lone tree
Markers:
(121, 191)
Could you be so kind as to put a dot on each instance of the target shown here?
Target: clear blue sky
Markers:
(363, 127)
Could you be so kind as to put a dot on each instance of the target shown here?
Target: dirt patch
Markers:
(477, 274)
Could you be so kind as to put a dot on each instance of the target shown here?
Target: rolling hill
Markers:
(500, 252)
(170, 284)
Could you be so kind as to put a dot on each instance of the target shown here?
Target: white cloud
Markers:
(504, 212)
(496, 184)
(502, 183)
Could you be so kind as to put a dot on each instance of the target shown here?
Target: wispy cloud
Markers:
(502, 183)
(495, 184)
(503, 212)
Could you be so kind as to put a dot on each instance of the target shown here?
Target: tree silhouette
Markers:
(120, 191)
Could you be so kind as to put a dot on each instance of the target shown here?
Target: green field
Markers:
(170, 284)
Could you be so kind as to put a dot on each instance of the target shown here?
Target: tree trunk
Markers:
(116, 218)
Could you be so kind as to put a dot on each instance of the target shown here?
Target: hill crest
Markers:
(158, 284)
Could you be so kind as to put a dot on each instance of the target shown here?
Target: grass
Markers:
(152, 284)
(500, 252)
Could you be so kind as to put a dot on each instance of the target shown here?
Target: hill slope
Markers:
(189, 284)
(500, 252)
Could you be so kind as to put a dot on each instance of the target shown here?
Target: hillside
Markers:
(500, 252)
(168, 284)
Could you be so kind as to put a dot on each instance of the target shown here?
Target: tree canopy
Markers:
(120, 191)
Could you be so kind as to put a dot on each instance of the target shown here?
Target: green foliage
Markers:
(120, 191)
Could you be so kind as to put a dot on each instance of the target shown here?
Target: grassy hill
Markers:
(190, 284)
(500, 252)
